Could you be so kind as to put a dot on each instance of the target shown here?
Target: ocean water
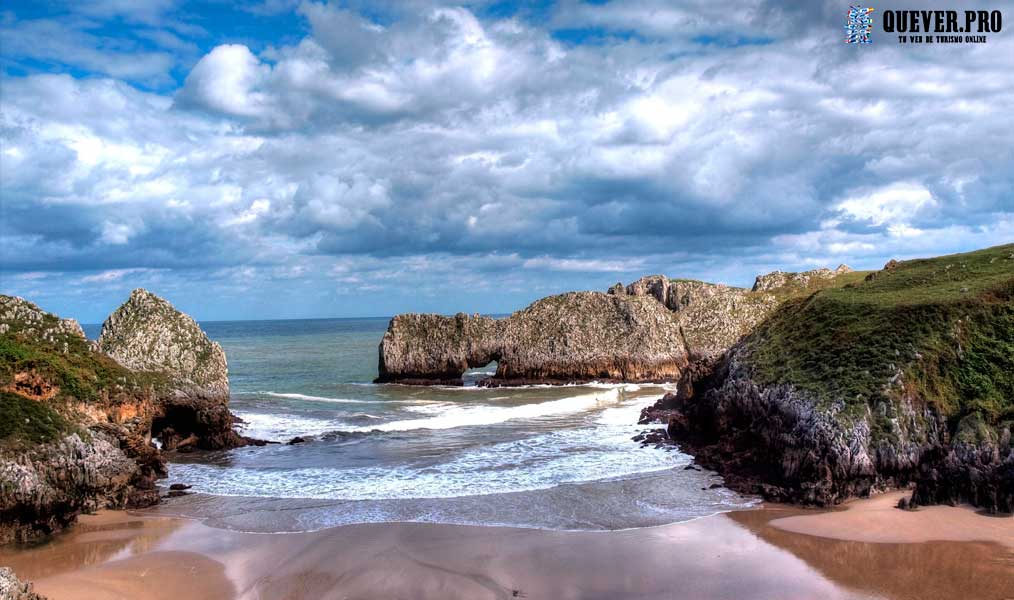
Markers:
(527, 456)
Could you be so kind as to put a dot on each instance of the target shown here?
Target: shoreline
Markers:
(769, 551)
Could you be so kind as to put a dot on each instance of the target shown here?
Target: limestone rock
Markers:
(13, 589)
(712, 316)
(44, 488)
(19, 316)
(147, 333)
(580, 336)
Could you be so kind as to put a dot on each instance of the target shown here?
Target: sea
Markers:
(554, 457)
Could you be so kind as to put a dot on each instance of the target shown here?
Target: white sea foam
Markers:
(309, 398)
(456, 415)
(281, 426)
(542, 461)
(294, 396)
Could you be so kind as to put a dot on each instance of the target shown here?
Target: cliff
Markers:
(580, 336)
(906, 375)
(76, 426)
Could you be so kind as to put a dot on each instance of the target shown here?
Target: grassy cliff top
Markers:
(46, 364)
(940, 328)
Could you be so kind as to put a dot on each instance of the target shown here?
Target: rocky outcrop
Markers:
(781, 442)
(77, 427)
(19, 316)
(899, 379)
(802, 280)
(581, 336)
(147, 333)
(426, 348)
(712, 316)
(13, 589)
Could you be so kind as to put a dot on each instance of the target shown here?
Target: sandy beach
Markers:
(863, 550)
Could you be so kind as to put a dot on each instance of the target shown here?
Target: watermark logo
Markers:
(859, 25)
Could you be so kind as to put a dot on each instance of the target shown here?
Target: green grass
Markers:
(79, 373)
(24, 421)
(946, 322)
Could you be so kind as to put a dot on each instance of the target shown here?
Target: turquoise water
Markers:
(445, 454)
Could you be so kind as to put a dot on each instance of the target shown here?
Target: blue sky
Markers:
(303, 158)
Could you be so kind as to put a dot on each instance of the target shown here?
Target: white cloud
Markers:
(227, 80)
(896, 204)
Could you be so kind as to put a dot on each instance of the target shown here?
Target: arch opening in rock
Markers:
(177, 428)
(474, 375)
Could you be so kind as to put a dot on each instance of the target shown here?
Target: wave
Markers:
(471, 416)
(284, 426)
(307, 397)
(600, 452)
(294, 396)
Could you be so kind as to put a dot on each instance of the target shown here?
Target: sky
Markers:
(292, 159)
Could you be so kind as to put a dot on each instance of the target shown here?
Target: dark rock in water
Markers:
(180, 486)
(177, 493)
(297, 440)
(714, 486)
(691, 467)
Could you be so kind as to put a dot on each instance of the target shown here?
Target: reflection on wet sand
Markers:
(936, 569)
(93, 540)
(736, 555)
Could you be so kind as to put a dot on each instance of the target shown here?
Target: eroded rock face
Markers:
(437, 349)
(47, 486)
(712, 316)
(782, 443)
(13, 589)
(147, 333)
(581, 336)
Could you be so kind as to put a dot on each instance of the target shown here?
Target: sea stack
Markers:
(146, 333)
(575, 337)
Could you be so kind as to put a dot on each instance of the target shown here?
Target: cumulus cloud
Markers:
(379, 150)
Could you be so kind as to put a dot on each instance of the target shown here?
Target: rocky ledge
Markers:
(904, 377)
(580, 336)
(77, 424)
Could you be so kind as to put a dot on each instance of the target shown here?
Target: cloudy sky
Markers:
(300, 159)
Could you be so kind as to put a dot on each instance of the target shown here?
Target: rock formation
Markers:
(803, 279)
(76, 426)
(712, 316)
(13, 589)
(580, 336)
(883, 381)
(146, 333)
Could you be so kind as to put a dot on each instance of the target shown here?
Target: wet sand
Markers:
(771, 552)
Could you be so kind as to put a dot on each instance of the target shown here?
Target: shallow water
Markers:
(539, 456)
